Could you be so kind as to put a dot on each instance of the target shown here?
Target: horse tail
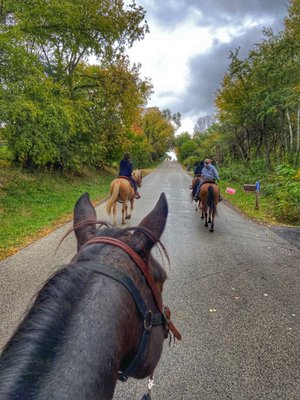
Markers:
(114, 195)
(211, 197)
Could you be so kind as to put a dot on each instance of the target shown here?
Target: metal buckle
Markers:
(148, 320)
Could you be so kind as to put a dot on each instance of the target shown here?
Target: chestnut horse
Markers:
(97, 316)
(209, 198)
(197, 180)
(122, 191)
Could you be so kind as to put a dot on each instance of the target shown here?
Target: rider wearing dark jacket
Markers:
(126, 170)
(199, 168)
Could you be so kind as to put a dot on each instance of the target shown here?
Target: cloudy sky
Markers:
(186, 52)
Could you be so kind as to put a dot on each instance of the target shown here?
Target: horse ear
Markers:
(155, 223)
(84, 212)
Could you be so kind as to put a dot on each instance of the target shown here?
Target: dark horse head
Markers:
(85, 325)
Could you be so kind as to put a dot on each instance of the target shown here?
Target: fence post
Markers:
(257, 190)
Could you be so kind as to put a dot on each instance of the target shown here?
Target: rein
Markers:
(149, 319)
(145, 270)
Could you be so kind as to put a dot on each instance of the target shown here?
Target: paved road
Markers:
(234, 295)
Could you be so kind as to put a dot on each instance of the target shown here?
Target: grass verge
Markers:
(245, 202)
(33, 204)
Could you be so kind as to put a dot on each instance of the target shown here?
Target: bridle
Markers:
(150, 319)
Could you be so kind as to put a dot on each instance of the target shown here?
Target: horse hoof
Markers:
(211, 230)
(202, 217)
(206, 225)
(209, 221)
(123, 223)
(128, 217)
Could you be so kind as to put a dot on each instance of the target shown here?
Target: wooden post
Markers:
(257, 189)
(248, 188)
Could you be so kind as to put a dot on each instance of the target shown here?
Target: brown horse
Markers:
(197, 180)
(122, 191)
(97, 319)
(209, 198)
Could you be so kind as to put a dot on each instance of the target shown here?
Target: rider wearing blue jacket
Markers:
(209, 174)
(126, 170)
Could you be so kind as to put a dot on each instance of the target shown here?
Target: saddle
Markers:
(214, 182)
(126, 177)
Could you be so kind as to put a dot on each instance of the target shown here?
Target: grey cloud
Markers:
(206, 71)
(206, 74)
(172, 12)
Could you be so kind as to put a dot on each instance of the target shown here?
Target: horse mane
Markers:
(41, 330)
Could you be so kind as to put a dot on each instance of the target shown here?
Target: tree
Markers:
(57, 110)
(159, 130)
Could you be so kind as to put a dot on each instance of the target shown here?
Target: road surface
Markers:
(234, 295)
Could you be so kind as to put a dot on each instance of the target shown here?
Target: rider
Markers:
(126, 170)
(199, 168)
(197, 173)
(209, 174)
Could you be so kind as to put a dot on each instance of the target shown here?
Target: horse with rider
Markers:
(124, 189)
(206, 190)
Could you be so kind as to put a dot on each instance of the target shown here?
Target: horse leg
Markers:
(205, 213)
(131, 208)
(202, 213)
(115, 213)
(124, 209)
(209, 216)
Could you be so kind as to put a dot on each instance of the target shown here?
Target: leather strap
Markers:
(126, 281)
(143, 267)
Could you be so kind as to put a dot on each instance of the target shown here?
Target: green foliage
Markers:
(140, 151)
(284, 192)
(258, 102)
(280, 191)
(191, 161)
(31, 203)
(158, 126)
(57, 111)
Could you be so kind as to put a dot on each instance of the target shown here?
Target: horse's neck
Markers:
(82, 365)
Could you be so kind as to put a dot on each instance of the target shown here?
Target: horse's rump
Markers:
(120, 189)
(209, 195)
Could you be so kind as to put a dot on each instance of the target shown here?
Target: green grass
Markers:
(246, 202)
(32, 204)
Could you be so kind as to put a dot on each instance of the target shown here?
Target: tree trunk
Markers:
(267, 151)
(290, 130)
(298, 136)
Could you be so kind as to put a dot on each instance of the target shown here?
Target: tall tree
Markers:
(159, 129)
(50, 99)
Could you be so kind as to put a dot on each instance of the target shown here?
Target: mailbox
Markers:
(255, 188)
(249, 188)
